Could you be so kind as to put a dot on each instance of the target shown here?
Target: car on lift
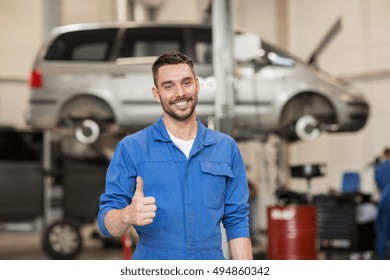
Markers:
(93, 77)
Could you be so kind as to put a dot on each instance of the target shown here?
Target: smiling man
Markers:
(176, 180)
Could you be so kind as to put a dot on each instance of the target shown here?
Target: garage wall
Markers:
(21, 34)
(79, 11)
(258, 16)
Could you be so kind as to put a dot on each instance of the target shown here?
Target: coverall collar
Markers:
(203, 137)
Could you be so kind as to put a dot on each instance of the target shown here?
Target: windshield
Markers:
(275, 56)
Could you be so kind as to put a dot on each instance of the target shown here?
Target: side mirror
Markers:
(246, 47)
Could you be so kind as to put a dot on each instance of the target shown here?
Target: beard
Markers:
(180, 115)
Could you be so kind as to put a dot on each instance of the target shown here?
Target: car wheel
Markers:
(305, 116)
(62, 241)
(88, 116)
(83, 122)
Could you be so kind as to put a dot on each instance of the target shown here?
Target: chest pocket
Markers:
(214, 179)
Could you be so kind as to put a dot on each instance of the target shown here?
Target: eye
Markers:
(187, 83)
(168, 86)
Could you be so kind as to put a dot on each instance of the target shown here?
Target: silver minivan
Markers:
(92, 77)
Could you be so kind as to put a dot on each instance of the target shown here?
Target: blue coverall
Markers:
(383, 224)
(192, 195)
(382, 174)
(382, 178)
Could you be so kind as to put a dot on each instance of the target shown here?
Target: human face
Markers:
(177, 91)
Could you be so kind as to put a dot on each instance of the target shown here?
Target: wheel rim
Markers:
(306, 128)
(88, 132)
(64, 239)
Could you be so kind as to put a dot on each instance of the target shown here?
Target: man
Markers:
(177, 180)
(382, 178)
(382, 171)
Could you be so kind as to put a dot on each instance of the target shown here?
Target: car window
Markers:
(203, 45)
(154, 48)
(203, 52)
(86, 45)
(93, 51)
(276, 56)
(147, 41)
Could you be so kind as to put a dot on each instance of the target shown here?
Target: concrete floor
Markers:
(26, 245)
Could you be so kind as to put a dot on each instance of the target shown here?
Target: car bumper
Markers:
(356, 114)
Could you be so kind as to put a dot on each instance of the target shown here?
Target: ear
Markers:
(156, 95)
(197, 86)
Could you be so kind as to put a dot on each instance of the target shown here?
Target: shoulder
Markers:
(133, 148)
(138, 136)
(221, 137)
(383, 164)
(136, 141)
(222, 143)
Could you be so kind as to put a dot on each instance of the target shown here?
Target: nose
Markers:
(180, 91)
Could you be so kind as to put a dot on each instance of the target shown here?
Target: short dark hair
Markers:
(386, 152)
(171, 58)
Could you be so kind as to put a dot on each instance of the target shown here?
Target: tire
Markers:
(62, 241)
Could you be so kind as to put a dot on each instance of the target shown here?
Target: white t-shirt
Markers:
(184, 145)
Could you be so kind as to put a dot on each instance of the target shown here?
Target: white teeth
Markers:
(181, 103)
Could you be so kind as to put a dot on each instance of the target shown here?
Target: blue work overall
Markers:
(193, 196)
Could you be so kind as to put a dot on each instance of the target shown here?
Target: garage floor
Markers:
(26, 245)
(19, 245)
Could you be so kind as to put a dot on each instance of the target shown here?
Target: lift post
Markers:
(222, 32)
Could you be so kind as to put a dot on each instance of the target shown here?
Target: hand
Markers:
(142, 209)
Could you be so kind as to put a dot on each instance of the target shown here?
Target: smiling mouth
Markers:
(180, 102)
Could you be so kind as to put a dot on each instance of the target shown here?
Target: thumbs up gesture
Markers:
(142, 209)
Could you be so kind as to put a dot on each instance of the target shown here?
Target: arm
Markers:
(116, 223)
(140, 212)
(236, 218)
(123, 203)
(241, 249)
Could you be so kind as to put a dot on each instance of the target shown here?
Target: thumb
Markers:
(139, 187)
